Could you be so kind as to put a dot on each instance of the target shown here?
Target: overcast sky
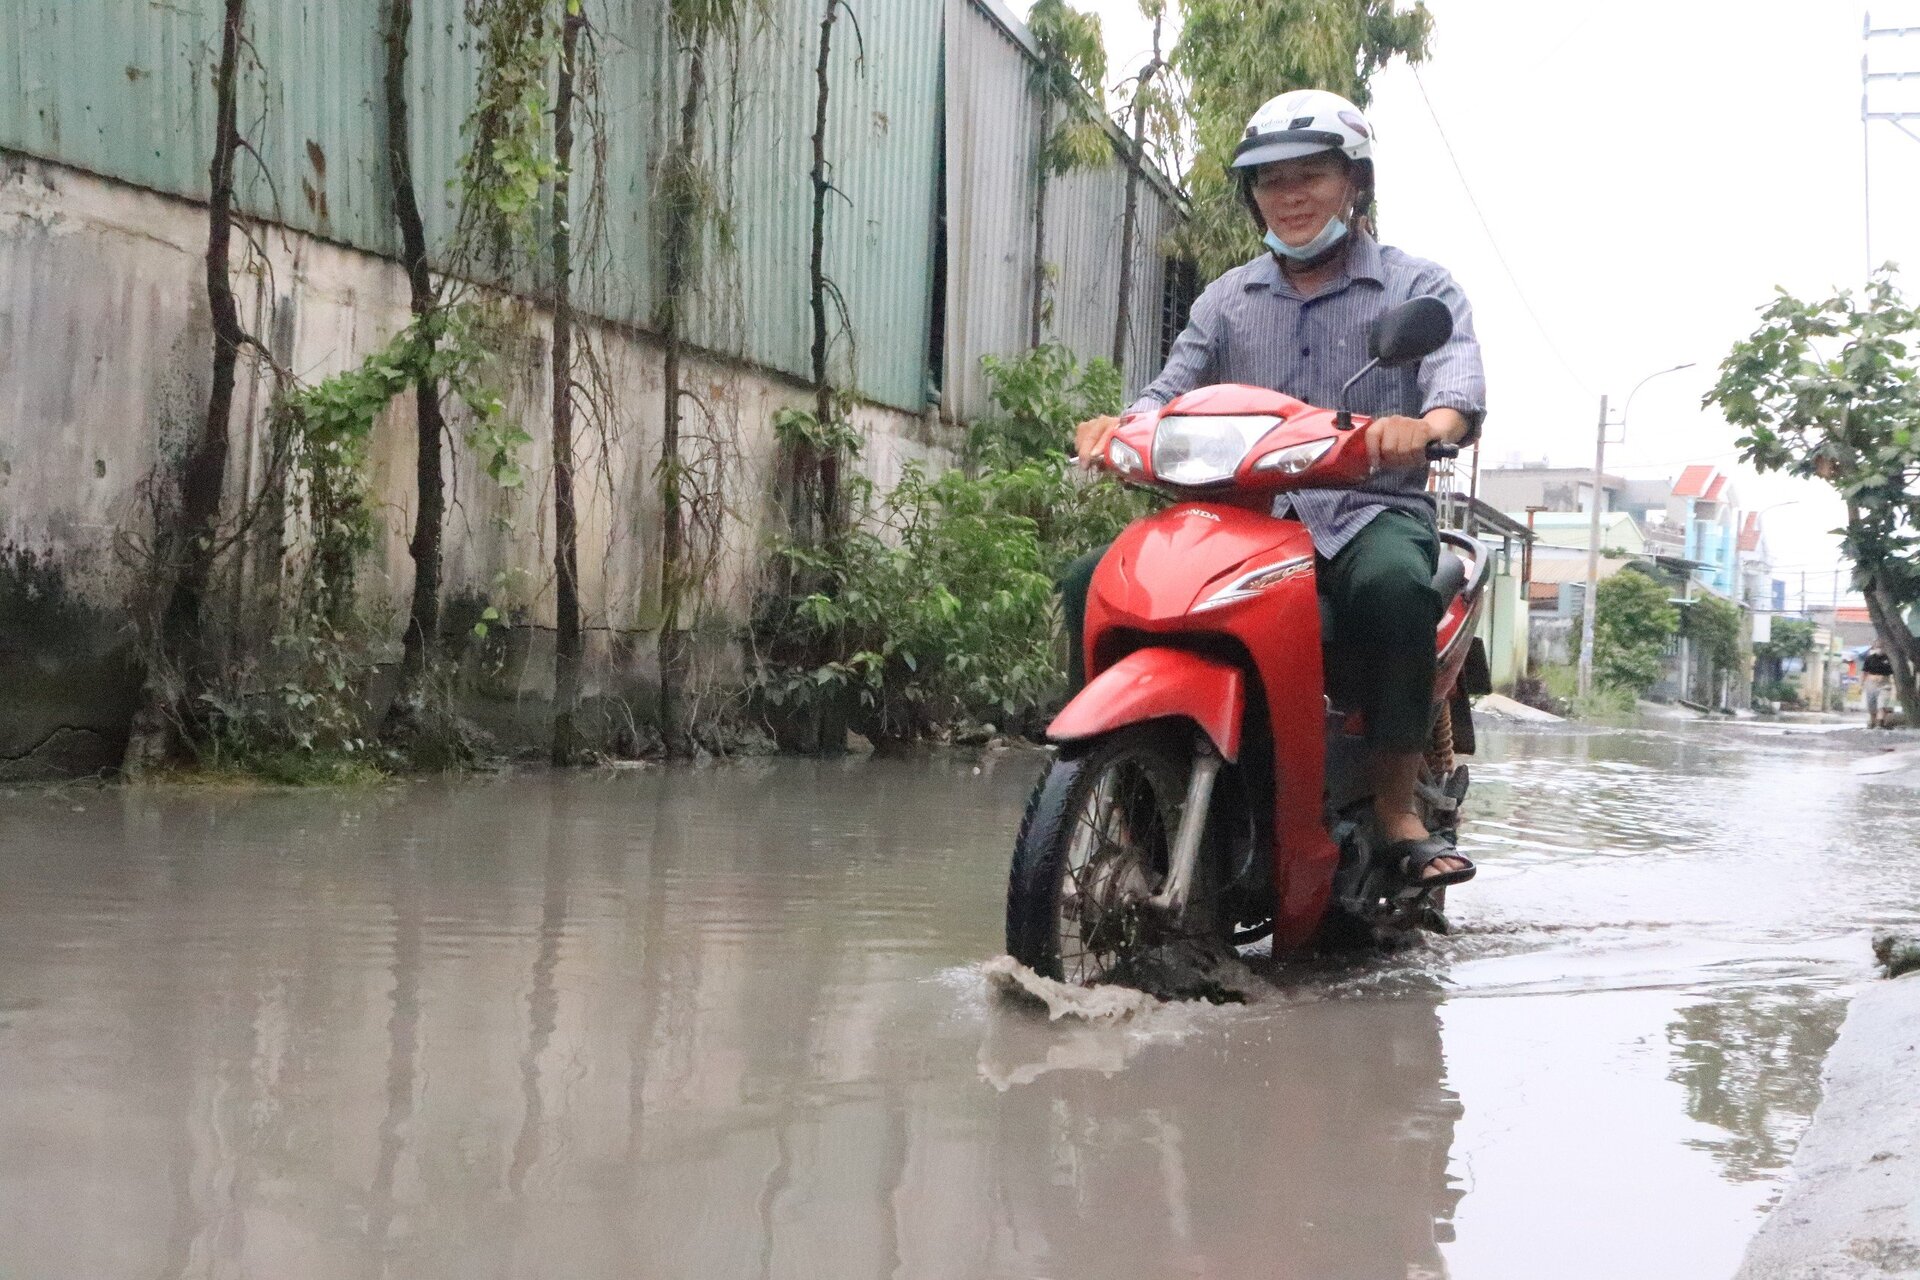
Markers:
(1649, 170)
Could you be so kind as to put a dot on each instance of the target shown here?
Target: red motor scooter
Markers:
(1206, 787)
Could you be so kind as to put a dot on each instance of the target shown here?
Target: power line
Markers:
(1689, 460)
(1492, 240)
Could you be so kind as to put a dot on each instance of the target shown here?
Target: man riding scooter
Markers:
(1296, 320)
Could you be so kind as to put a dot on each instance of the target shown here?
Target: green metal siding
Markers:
(123, 88)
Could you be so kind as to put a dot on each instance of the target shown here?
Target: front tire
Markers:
(1094, 844)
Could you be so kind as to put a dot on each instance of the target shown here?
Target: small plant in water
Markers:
(1897, 955)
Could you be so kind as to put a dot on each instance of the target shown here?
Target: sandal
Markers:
(1412, 857)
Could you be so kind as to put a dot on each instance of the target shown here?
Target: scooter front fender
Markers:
(1153, 684)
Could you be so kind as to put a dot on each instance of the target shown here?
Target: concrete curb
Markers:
(1852, 1209)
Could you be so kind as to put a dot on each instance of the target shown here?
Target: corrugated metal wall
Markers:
(123, 88)
(992, 129)
(1085, 213)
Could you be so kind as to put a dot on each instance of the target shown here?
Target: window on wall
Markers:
(1181, 285)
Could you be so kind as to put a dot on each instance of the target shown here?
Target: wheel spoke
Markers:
(1115, 856)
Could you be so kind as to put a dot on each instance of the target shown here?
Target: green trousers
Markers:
(1380, 657)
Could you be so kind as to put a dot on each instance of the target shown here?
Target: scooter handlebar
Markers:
(1439, 449)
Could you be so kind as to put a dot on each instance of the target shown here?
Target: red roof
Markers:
(1693, 481)
(1750, 532)
(1852, 613)
(1713, 490)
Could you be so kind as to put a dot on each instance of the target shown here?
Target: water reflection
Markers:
(1750, 1063)
(403, 1043)
(731, 1023)
(1315, 1142)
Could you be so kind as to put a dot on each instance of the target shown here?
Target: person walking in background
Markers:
(1877, 678)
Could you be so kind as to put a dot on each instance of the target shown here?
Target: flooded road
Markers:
(734, 1022)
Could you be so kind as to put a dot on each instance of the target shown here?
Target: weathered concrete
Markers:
(1853, 1207)
(104, 350)
(67, 678)
(1501, 707)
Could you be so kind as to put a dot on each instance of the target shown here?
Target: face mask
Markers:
(1329, 236)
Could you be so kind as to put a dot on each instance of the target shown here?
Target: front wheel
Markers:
(1094, 845)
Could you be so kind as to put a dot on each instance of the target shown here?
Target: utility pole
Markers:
(1686, 655)
(1587, 605)
(1898, 119)
(1591, 603)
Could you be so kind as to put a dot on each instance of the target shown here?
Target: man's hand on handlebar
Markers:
(1090, 441)
(1394, 442)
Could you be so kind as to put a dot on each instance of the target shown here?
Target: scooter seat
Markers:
(1450, 578)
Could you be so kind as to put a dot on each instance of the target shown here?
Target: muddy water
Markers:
(733, 1022)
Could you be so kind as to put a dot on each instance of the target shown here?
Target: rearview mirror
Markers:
(1411, 331)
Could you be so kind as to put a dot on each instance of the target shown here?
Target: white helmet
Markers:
(1303, 123)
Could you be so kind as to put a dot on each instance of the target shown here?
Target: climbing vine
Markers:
(509, 158)
(685, 207)
(324, 431)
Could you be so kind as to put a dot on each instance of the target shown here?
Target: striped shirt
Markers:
(1252, 326)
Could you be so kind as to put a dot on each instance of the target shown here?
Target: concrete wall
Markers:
(104, 353)
(1504, 626)
(1553, 641)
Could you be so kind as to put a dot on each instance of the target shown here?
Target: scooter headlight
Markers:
(1206, 449)
(1294, 459)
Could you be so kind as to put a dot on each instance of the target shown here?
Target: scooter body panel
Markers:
(1150, 587)
(1153, 684)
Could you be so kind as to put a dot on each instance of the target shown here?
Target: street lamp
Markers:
(1593, 533)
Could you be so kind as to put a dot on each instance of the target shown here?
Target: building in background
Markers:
(1504, 623)
(1702, 508)
(1558, 581)
(1515, 488)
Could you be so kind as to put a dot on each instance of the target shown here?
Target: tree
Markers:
(1236, 54)
(684, 203)
(1791, 638)
(193, 544)
(1072, 65)
(566, 537)
(1830, 390)
(1149, 112)
(423, 619)
(1714, 625)
(1632, 623)
(822, 291)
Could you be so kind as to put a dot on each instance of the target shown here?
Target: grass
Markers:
(1605, 704)
(282, 769)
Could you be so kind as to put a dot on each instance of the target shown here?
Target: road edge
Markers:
(1851, 1208)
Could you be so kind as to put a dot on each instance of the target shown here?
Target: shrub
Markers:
(1560, 687)
(1632, 624)
(1039, 397)
(937, 605)
(1714, 625)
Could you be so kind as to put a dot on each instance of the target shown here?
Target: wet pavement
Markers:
(734, 1021)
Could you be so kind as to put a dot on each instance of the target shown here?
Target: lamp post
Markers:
(1593, 532)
